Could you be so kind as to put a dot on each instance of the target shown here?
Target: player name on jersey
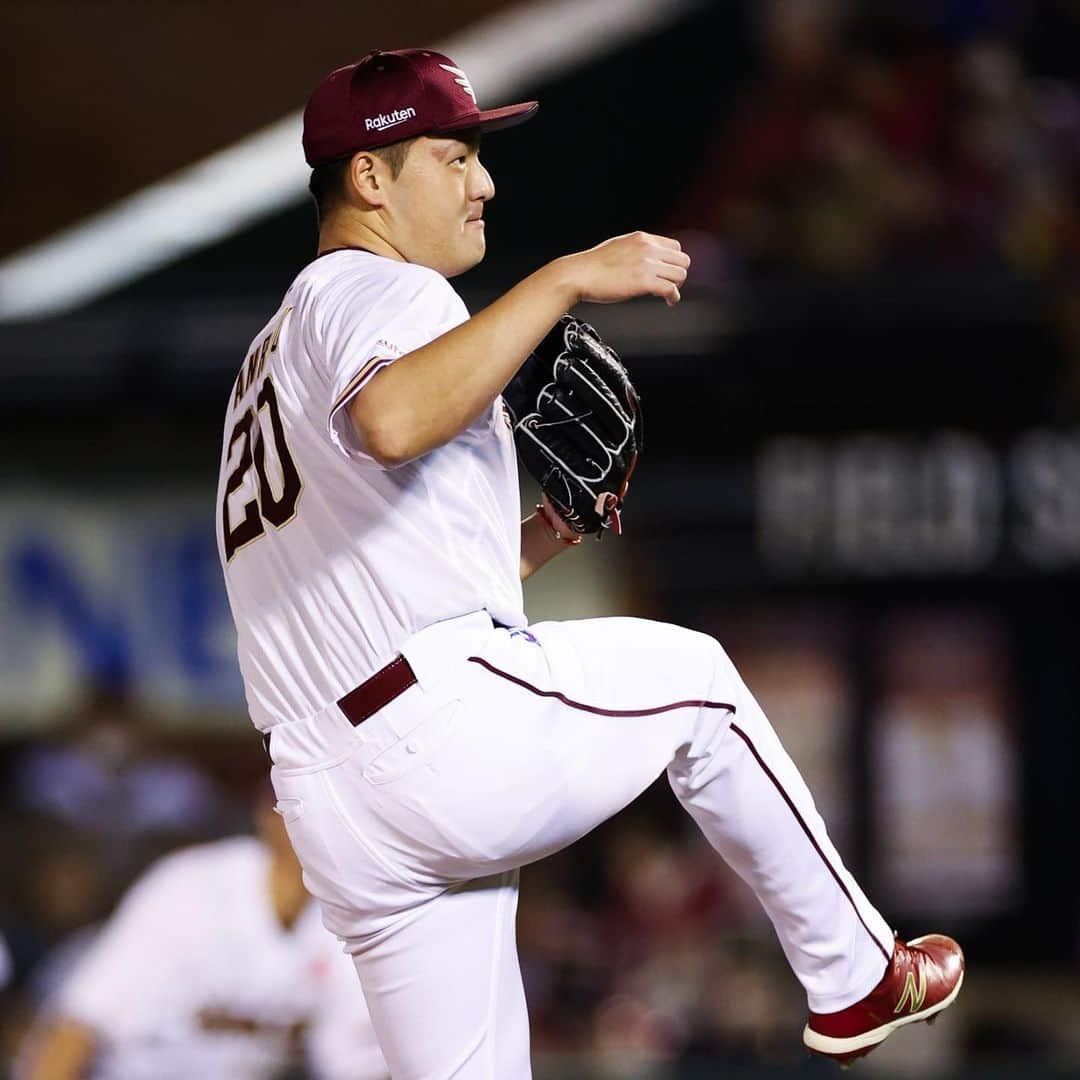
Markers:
(253, 367)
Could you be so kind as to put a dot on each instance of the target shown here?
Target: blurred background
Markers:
(862, 469)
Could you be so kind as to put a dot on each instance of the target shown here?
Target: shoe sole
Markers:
(826, 1044)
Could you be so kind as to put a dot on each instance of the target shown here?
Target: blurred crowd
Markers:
(86, 809)
(630, 953)
(883, 135)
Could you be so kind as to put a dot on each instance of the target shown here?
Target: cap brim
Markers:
(497, 119)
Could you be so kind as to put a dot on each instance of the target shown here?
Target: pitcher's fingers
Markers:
(669, 272)
(668, 242)
(675, 258)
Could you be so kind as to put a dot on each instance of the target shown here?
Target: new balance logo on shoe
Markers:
(922, 978)
(911, 996)
(388, 120)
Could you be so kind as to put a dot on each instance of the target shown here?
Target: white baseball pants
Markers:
(411, 827)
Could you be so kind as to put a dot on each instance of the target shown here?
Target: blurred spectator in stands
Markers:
(563, 956)
(634, 968)
(869, 190)
(1066, 311)
(663, 896)
(629, 1040)
(57, 890)
(753, 1023)
(62, 888)
(216, 963)
(752, 176)
(827, 163)
(101, 773)
(677, 937)
(869, 139)
(1009, 191)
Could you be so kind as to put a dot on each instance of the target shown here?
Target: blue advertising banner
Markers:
(114, 593)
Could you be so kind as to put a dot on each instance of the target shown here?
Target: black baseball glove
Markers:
(577, 424)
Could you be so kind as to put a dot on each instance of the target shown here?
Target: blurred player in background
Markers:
(215, 964)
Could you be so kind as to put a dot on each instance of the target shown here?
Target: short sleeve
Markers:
(368, 321)
(114, 989)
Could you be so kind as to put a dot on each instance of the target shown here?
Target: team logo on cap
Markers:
(388, 120)
(461, 79)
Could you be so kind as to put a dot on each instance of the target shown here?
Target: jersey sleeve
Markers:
(118, 986)
(366, 324)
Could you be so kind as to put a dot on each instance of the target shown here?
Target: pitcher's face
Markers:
(436, 205)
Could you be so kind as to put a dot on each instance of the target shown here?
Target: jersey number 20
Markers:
(265, 507)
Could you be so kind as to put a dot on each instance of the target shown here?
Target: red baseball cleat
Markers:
(923, 978)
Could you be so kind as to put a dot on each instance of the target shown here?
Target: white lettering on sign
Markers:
(1044, 469)
(879, 505)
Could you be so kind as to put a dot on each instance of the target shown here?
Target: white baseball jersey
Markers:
(331, 561)
(194, 975)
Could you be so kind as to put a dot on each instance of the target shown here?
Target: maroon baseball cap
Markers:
(390, 96)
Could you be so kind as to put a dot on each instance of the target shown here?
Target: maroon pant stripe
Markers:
(809, 835)
(696, 704)
(594, 708)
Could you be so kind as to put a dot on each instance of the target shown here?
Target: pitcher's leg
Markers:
(559, 729)
(748, 798)
(444, 989)
(626, 695)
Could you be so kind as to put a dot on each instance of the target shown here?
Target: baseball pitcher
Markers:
(426, 740)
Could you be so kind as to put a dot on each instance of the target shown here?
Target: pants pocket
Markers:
(416, 748)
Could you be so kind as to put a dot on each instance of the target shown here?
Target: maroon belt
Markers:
(372, 694)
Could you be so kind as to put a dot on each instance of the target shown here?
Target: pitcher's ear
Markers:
(367, 178)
